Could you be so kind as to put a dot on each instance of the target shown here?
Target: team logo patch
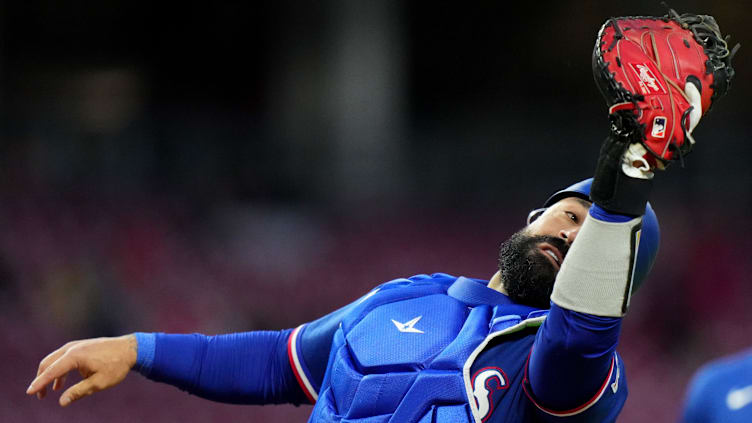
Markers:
(659, 127)
(486, 382)
(646, 79)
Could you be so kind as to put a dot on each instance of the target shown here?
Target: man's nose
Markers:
(569, 234)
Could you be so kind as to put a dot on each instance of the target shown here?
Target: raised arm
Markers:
(656, 92)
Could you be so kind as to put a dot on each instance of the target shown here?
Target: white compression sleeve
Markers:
(596, 275)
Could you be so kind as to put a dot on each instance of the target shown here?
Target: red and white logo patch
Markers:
(486, 382)
(659, 127)
(646, 79)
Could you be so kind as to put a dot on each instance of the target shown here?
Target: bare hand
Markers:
(102, 362)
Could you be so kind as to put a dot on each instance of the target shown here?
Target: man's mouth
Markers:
(552, 253)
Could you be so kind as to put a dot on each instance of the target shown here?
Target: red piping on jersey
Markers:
(575, 410)
(294, 367)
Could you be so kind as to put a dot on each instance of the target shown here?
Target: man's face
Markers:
(530, 259)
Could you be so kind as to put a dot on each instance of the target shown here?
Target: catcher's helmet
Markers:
(649, 239)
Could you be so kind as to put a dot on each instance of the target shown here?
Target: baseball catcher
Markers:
(535, 342)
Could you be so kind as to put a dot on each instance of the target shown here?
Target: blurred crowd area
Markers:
(243, 166)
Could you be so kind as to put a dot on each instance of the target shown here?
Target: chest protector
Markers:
(406, 355)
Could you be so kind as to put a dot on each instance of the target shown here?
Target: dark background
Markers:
(240, 166)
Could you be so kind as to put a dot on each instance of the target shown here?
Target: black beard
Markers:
(526, 273)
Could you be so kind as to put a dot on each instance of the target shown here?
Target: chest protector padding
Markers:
(398, 357)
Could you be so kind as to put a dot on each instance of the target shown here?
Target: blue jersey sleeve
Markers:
(241, 368)
(573, 370)
(263, 367)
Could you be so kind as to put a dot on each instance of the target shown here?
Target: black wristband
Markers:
(612, 189)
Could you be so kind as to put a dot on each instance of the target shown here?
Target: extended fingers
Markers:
(49, 359)
(53, 356)
(56, 370)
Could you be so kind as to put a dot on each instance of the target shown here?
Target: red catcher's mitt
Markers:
(659, 75)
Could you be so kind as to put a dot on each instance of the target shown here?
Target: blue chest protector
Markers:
(406, 355)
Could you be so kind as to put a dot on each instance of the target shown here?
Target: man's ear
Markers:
(534, 214)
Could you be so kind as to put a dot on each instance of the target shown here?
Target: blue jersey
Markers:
(439, 349)
(721, 391)
(425, 349)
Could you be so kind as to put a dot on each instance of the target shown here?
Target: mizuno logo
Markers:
(408, 327)
(738, 398)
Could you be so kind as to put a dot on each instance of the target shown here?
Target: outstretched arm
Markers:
(264, 367)
(251, 367)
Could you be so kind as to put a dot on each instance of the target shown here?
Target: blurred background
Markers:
(232, 166)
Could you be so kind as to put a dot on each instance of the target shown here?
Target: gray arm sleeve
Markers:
(596, 275)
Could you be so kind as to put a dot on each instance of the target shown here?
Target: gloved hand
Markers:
(659, 76)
